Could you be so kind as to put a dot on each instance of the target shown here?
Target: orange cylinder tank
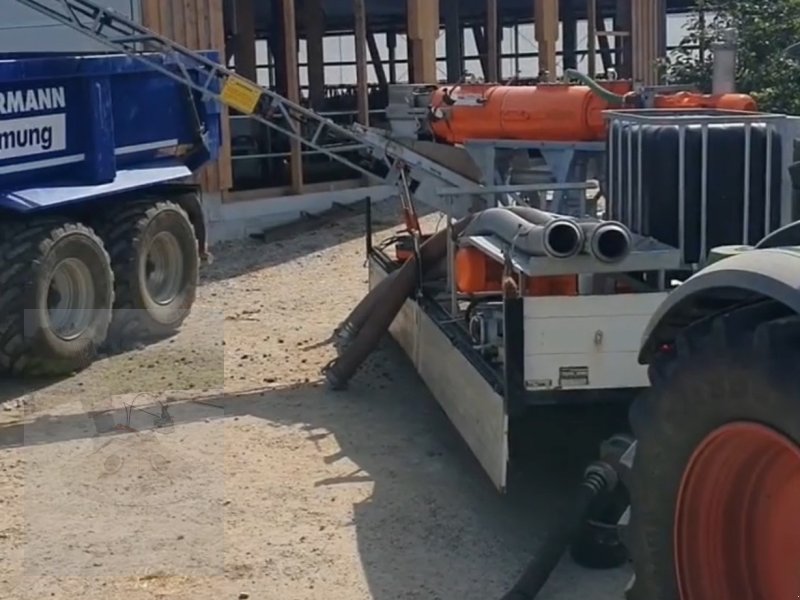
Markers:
(689, 100)
(548, 112)
(553, 112)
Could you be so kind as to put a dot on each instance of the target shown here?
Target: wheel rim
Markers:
(737, 517)
(70, 299)
(164, 268)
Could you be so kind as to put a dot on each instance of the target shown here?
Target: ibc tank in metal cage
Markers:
(700, 179)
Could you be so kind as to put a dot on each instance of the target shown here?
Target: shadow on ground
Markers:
(432, 527)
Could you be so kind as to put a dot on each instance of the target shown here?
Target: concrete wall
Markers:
(25, 30)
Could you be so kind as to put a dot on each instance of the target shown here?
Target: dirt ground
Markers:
(260, 482)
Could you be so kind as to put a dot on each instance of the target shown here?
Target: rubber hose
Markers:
(348, 328)
(607, 95)
(558, 540)
(341, 370)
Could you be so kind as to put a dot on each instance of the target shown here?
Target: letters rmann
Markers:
(31, 135)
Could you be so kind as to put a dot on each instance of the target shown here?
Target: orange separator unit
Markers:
(476, 273)
(548, 112)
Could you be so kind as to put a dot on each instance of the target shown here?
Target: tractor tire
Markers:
(732, 380)
(156, 261)
(56, 294)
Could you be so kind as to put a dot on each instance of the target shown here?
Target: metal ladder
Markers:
(219, 83)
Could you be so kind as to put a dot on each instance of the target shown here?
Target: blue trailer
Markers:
(102, 229)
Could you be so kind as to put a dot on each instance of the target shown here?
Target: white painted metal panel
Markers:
(586, 342)
(25, 30)
(474, 408)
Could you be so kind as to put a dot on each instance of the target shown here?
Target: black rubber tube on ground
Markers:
(555, 237)
(597, 480)
(386, 303)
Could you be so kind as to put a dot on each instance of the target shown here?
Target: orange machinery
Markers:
(558, 112)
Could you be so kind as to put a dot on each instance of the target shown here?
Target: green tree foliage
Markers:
(765, 29)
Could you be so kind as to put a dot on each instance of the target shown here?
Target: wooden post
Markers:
(646, 36)
(292, 88)
(315, 35)
(423, 30)
(591, 16)
(455, 41)
(362, 89)
(492, 43)
(244, 42)
(546, 20)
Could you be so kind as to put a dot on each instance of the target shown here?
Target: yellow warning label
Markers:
(241, 95)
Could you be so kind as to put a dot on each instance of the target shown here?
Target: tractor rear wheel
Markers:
(715, 482)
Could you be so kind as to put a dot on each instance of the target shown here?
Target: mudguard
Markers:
(755, 275)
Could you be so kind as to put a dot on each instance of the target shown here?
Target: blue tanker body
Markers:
(74, 128)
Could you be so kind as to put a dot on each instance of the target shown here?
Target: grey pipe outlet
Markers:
(554, 237)
(607, 241)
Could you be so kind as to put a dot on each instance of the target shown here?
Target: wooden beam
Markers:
(492, 43)
(315, 34)
(591, 12)
(244, 41)
(454, 39)
(423, 31)
(362, 87)
(546, 22)
(292, 87)
(647, 33)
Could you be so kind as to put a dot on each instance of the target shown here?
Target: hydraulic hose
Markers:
(384, 309)
(607, 95)
(599, 478)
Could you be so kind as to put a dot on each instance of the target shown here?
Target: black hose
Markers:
(599, 478)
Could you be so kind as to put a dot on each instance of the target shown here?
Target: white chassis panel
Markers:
(476, 410)
(586, 342)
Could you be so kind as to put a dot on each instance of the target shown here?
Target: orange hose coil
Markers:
(548, 112)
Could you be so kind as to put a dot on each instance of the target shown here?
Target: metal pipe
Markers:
(607, 241)
(548, 235)
(724, 70)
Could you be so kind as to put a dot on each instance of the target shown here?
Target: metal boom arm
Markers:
(121, 34)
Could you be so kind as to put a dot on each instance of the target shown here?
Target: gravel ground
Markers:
(260, 482)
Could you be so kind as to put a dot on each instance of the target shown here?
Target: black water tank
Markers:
(660, 183)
